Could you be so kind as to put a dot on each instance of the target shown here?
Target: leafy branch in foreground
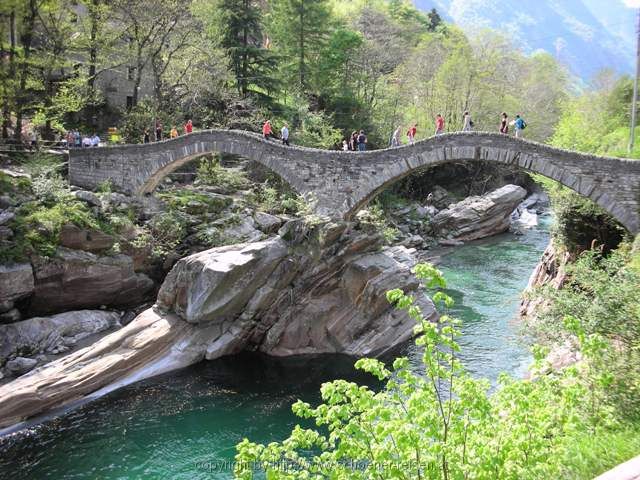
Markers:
(437, 422)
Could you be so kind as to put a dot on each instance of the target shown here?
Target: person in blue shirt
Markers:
(519, 125)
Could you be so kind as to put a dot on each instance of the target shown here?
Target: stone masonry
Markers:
(340, 183)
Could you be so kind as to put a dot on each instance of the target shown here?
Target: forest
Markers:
(326, 67)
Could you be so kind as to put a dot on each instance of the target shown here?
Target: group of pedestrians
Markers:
(357, 142)
(74, 139)
(267, 132)
(173, 133)
(467, 126)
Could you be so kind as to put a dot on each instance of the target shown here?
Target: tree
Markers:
(235, 25)
(300, 30)
(437, 422)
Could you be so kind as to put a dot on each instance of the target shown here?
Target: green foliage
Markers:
(603, 293)
(275, 198)
(237, 27)
(316, 130)
(598, 121)
(438, 422)
(211, 173)
(162, 234)
(194, 202)
(375, 217)
(580, 223)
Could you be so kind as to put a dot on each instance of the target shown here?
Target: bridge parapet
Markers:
(342, 182)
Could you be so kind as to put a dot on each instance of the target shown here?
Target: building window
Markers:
(131, 72)
(130, 103)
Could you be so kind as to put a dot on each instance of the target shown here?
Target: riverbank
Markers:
(170, 426)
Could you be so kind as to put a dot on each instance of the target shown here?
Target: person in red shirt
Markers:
(411, 133)
(266, 130)
(188, 127)
(439, 125)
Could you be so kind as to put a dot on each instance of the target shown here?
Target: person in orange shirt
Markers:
(174, 132)
(266, 130)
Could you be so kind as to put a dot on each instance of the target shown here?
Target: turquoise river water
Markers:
(185, 424)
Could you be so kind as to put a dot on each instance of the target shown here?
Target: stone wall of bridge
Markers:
(339, 183)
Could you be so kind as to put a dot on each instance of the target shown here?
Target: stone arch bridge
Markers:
(340, 183)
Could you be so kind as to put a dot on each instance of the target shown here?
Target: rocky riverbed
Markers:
(277, 284)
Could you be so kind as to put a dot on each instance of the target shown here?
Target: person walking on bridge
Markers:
(362, 141)
(284, 134)
(519, 125)
(188, 127)
(504, 124)
(174, 132)
(267, 130)
(353, 141)
(158, 131)
(395, 138)
(411, 133)
(145, 136)
(439, 124)
(467, 123)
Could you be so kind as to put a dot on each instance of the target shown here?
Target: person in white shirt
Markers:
(284, 134)
(86, 141)
(95, 140)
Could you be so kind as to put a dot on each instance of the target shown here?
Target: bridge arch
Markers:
(340, 183)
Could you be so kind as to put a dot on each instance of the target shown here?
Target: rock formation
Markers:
(312, 289)
(479, 217)
(550, 270)
(75, 279)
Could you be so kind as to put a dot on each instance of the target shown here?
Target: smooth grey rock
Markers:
(16, 281)
(48, 333)
(244, 231)
(6, 216)
(20, 365)
(215, 285)
(87, 197)
(479, 217)
(6, 202)
(267, 223)
(413, 241)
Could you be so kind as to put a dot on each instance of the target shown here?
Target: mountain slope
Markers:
(586, 35)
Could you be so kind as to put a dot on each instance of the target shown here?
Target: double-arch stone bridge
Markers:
(340, 183)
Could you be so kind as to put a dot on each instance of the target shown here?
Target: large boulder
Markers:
(215, 285)
(74, 237)
(343, 308)
(75, 279)
(16, 281)
(47, 334)
(479, 217)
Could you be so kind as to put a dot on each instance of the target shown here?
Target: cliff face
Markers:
(311, 289)
(549, 271)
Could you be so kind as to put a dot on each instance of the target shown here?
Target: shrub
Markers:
(211, 173)
(438, 422)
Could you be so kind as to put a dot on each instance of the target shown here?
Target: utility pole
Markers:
(635, 89)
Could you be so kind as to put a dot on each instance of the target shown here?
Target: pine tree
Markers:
(241, 36)
(300, 30)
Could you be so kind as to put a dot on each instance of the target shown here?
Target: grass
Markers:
(590, 455)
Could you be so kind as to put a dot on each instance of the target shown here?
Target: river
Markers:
(185, 424)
